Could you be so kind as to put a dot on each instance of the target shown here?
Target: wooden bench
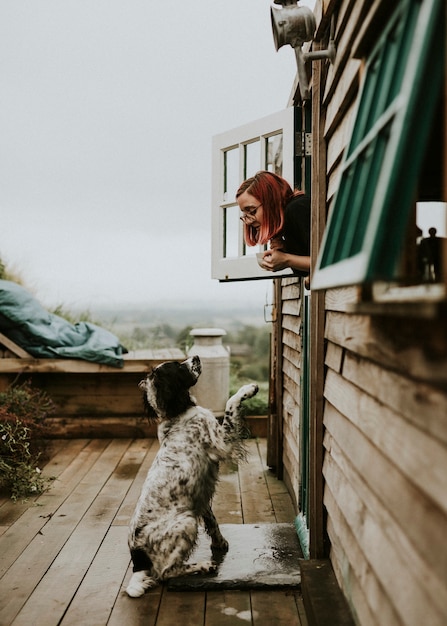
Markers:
(92, 399)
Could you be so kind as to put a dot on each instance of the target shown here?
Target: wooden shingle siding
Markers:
(385, 408)
(291, 373)
(383, 404)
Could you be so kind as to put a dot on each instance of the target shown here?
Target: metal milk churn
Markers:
(212, 389)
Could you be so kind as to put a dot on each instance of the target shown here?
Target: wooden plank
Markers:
(291, 307)
(178, 607)
(415, 511)
(316, 324)
(324, 602)
(274, 607)
(407, 593)
(225, 608)
(352, 12)
(423, 459)
(282, 502)
(340, 109)
(275, 433)
(337, 145)
(141, 611)
(94, 426)
(74, 366)
(291, 290)
(256, 502)
(357, 590)
(10, 511)
(13, 347)
(341, 298)
(334, 357)
(339, 469)
(48, 602)
(149, 447)
(45, 546)
(101, 585)
(423, 405)
(227, 504)
(415, 349)
(33, 519)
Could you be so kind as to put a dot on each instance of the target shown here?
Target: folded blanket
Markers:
(46, 335)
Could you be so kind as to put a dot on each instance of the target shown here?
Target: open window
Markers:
(393, 173)
(266, 144)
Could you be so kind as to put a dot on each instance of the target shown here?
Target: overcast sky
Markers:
(108, 108)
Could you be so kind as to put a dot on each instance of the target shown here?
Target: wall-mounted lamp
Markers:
(294, 25)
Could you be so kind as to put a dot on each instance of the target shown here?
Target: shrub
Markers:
(23, 412)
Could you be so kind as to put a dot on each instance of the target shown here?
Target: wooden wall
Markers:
(91, 399)
(384, 405)
(385, 467)
(291, 375)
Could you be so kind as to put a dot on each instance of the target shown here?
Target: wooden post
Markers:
(317, 316)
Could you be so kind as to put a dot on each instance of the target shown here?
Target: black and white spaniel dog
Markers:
(180, 484)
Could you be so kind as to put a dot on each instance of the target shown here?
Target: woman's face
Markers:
(251, 209)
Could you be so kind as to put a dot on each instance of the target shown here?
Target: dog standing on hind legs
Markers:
(181, 482)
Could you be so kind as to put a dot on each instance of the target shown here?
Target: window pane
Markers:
(231, 174)
(273, 154)
(431, 219)
(252, 158)
(231, 231)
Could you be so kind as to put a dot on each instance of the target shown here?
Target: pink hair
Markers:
(273, 192)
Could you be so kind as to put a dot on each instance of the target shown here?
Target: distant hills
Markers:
(229, 316)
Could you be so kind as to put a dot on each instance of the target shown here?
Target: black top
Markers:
(296, 231)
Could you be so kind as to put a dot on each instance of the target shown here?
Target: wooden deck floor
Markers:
(64, 556)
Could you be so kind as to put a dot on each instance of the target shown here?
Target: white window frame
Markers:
(242, 266)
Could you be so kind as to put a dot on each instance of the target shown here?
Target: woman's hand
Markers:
(275, 260)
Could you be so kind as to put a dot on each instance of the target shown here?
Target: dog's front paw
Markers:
(248, 391)
(139, 583)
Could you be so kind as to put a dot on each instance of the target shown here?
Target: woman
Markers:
(273, 213)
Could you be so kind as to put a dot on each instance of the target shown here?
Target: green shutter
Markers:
(403, 79)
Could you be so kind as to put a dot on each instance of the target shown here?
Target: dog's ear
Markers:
(149, 409)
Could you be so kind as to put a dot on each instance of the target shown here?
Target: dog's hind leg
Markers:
(218, 542)
(140, 582)
(140, 560)
(141, 578)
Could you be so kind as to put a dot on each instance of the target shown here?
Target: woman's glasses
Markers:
(249, 214)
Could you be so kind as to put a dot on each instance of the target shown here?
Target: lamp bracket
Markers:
(293, 25)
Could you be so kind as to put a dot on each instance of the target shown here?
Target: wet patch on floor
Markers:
(259, 556)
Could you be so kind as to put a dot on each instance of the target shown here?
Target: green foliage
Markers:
(9, 273)
(184, 340)
(259, 404)
(73, 318)
(250, 354)
(23, 412)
